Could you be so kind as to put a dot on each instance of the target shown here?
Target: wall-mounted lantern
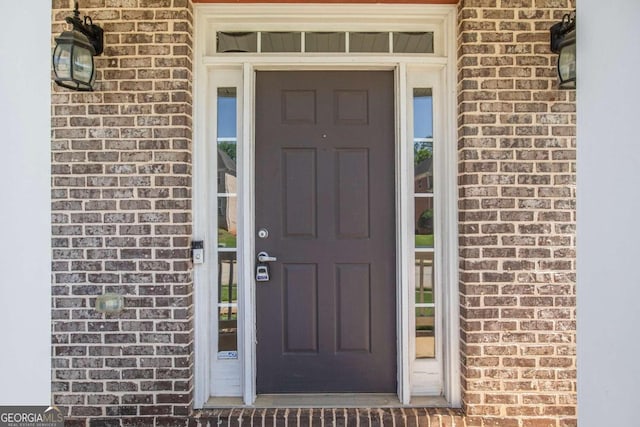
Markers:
(563, 42)
(73, 55)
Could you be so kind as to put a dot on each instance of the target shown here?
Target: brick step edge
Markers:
(333, 417)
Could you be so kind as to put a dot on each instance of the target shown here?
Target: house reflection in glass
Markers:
(227, 295)
(423, 192)
(227, 189)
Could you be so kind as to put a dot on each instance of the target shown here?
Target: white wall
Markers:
(608, 283)
(25, 141)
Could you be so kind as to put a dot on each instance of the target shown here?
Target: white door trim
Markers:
(281, 17)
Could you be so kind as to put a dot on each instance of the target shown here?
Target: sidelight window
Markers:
(227, 296)
(222, 270)
(433, 236)
(425, 307)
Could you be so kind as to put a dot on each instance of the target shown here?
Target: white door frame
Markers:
(283, 17)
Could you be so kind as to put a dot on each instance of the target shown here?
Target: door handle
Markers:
(264, 257)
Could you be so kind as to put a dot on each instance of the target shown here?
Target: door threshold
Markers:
(309, 400)
(326, 400)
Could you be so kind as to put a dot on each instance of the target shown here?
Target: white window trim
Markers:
(209, 19)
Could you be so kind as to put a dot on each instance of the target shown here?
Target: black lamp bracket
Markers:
(559, 30)
(94, 33)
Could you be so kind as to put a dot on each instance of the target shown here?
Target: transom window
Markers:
(324, 42)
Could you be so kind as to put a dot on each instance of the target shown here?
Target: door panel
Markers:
(325, 191)
(299, 192)
(352, 187)
(301, 310)
(353, 288)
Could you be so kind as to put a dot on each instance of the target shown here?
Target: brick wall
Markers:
(121, 166)
(517, 217)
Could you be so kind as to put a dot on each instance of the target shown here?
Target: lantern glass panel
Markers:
(82, 64)
(567, 62)
(62, 61)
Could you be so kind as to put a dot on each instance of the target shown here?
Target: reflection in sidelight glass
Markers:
(425, 306)
(424, 223)
(227, 120)
(227, 305)
(423, 170)
(424, 237)
(423, 140)
(227, 295)
(422, 113)
(227, 333)
(424, 278)
(227, 278)
(425, 333)
(227, 222)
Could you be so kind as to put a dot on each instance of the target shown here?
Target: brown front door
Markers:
(325, 191)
